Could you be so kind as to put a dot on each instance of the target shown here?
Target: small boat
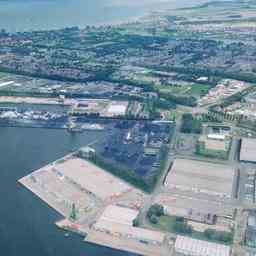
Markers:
(73, 128)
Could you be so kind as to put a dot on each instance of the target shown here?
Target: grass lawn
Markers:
(199, 90)
(172, 89)
(165, 223)
(190, 89)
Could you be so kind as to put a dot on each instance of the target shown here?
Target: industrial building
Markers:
(175, 205)
(248, 150)
(117, 108)
(250, 234)
(118, 221)
(217, 136)
(187, 246)
(214, 142)
(201, 177)
(191, 214)
(102, 108)
(213, 145)
(122, 215)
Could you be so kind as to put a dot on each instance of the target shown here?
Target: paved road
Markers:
(159, 184)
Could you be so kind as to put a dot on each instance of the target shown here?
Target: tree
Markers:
(135, 222)
(190, 124)
(222, 236)
(153, 219)
(209, 233)
(182, 227)
(179, 219)
(182, 100)
(155, 209)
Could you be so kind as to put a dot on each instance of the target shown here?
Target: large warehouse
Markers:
(118, 221)
(194, 247)
(248, 150)
(201, 177)
(125, 215)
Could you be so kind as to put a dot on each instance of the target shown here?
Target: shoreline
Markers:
(31, 25)
(56, 186)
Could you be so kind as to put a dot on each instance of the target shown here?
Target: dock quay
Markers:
(124, 244)
(68, 225)
(36, 100)
(97, 205)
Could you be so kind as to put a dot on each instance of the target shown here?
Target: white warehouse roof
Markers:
(195, 247)
(119, 221)
(248, 150)
(117, 108)
(204, 177)
(119, 215)
(130, 231)
(215, 136)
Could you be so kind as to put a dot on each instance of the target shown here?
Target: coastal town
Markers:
(172, 99)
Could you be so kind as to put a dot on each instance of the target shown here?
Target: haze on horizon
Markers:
(22, 15)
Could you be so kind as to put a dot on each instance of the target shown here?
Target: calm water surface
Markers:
(20, 15)
(26, 223)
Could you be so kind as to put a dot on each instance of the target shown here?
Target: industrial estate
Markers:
(178, 205)
(172, 99)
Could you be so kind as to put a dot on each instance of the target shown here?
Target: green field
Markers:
(165, 223)
(196, 90)
(178, 90)
(199, 90)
